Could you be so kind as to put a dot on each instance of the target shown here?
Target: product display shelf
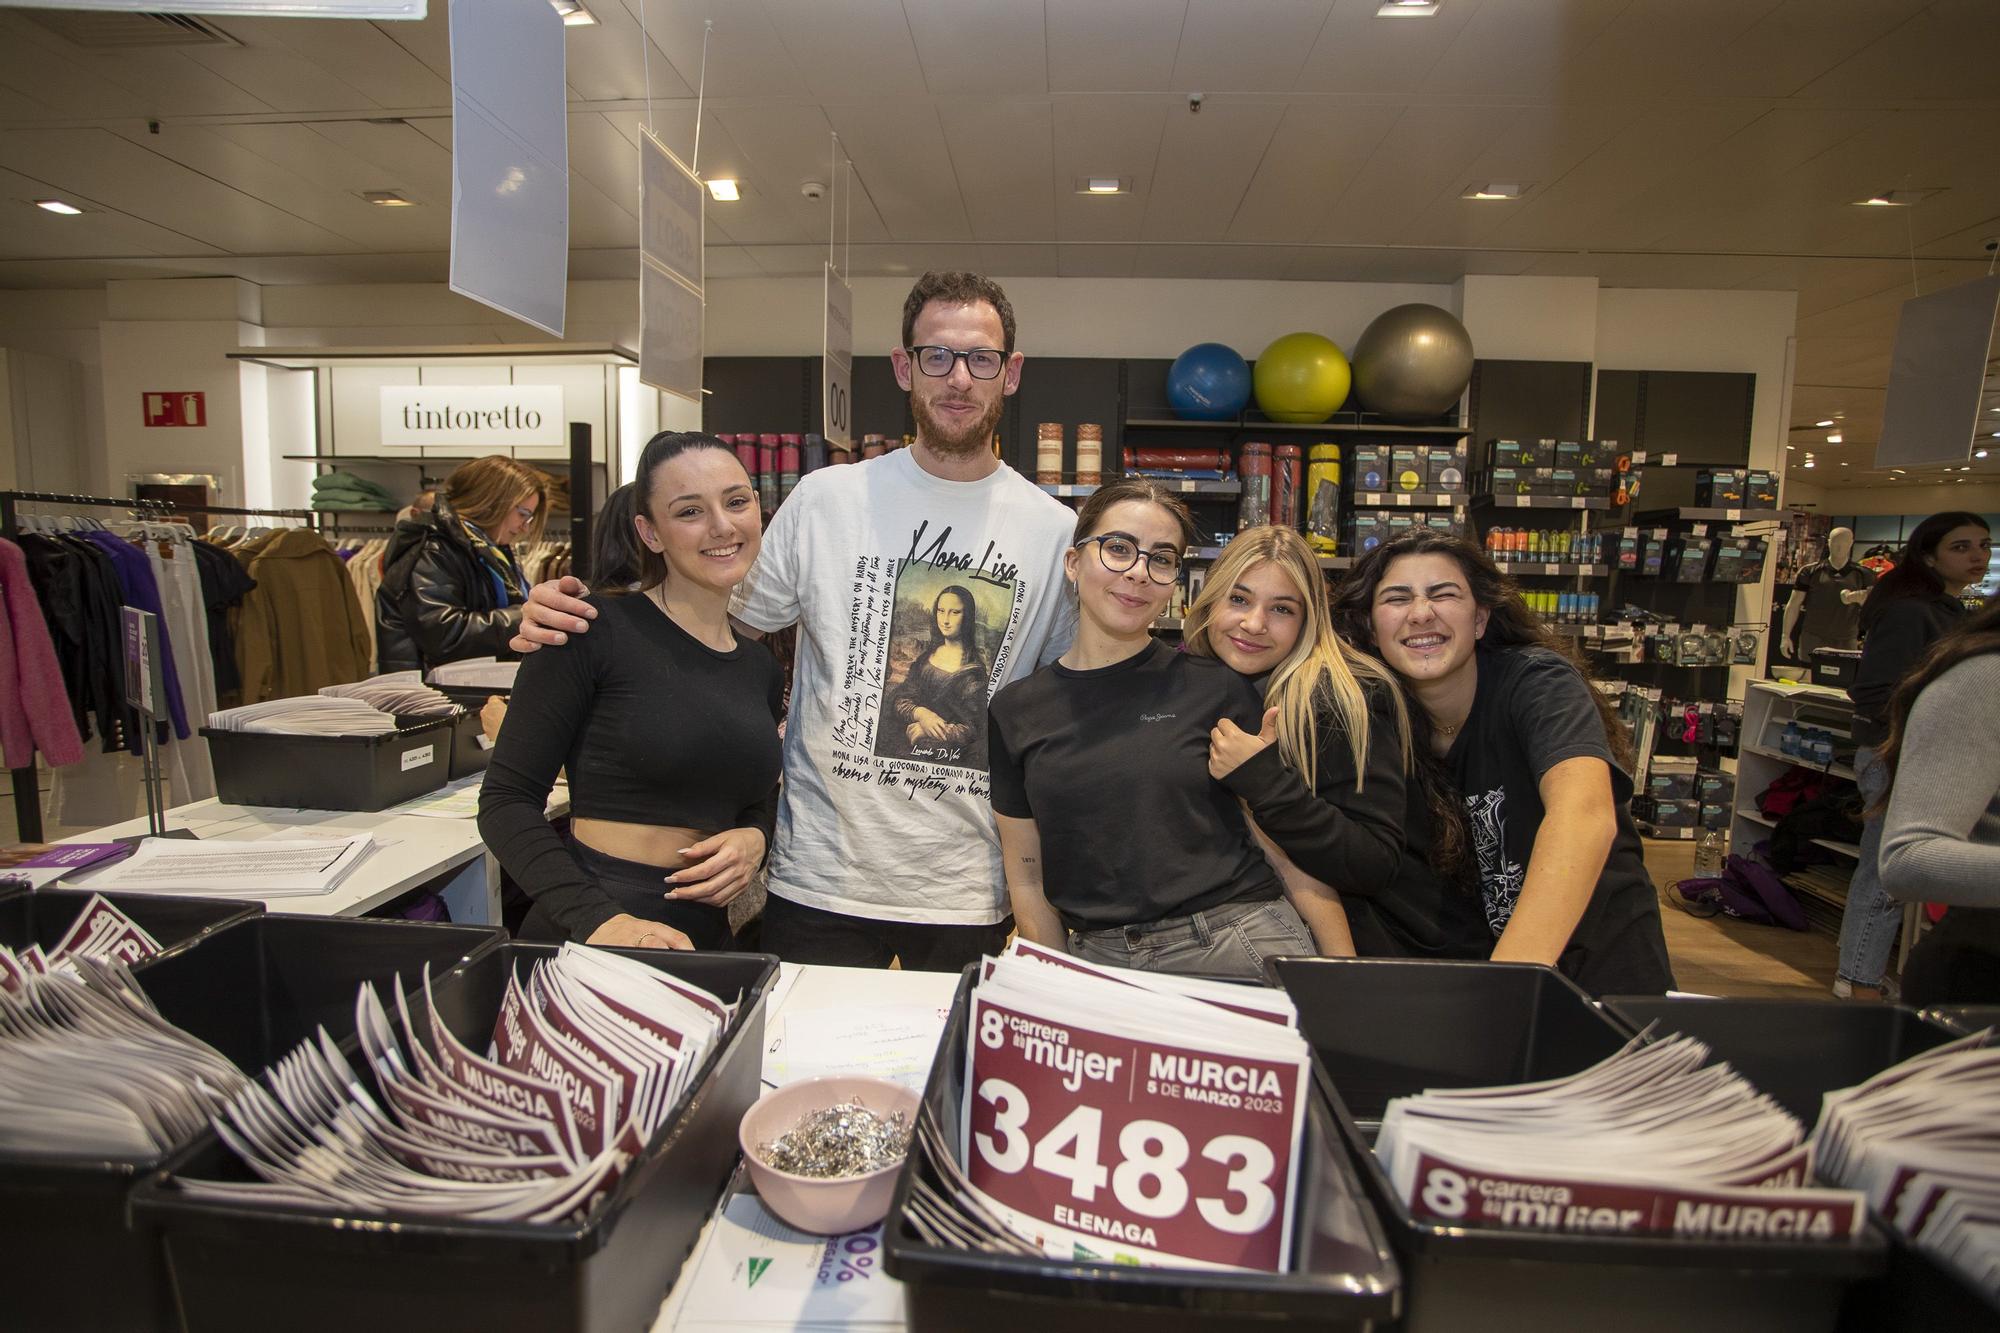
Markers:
(1688, 514)
(1186, 486)
(1544, 501)
(1215, 553)
(1767, 707)
(1410, 499)
(1669, 834)
(1444, 430)
(1553, 569)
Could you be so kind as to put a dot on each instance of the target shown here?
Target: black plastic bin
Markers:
(1800, 1050)
(331, 772)
(238, 1267)
(1382, 1028)
(43, 916)
(1334, 1283)
(1965, 1019)
(469, 752)
(253, 990)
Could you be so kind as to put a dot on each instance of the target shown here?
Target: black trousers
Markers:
(640, 890)
(801, 934)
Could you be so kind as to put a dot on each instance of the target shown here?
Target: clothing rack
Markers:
(27, 788)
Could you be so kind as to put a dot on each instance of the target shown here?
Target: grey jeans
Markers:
(1228, 941)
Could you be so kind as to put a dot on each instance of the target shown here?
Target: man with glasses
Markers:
(921, 582)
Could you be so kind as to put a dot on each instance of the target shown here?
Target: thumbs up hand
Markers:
(1230, 747)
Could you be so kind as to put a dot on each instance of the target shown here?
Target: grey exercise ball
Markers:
(1412, 363)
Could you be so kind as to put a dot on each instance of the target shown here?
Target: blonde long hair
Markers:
(1321, 673)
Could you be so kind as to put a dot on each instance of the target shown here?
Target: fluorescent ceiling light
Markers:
(1103, 185)
(387, 199)
(1791, 446)
(1979, 453)
(1827, 422)
(1895, 198)
(1809, 462)
(1834, 438)
(574, 15)
(723, 190)
(1495, 190)
(1407, 9)
(58, 206)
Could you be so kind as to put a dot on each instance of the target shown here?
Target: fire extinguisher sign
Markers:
(176, 409)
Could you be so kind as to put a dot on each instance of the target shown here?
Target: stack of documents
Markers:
(88, 1067)
(400, 692)
(1920, 1140)
(1120, 1116)
(476, 673)
(1651, 1141)
(266, 868)
(307, 715)
(589, 1058)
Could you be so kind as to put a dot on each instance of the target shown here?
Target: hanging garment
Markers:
(302, 627)
(223, 585)
(179, 580)
(35, 711)
(79, 595)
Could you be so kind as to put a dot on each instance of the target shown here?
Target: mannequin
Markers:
(1825, 606)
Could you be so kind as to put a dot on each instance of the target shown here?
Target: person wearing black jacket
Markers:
(1911, 607)
(1332, 777)
(451, 587)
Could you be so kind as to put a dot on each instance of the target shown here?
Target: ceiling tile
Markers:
(1425, 155)
(1004, 158)
(1107, 136)
(788, 144)
(1096, 261)
(856, 44)
(1793, 45)
(1018, 261)
(974, 50)
(904, 166)
(1206, 162)
(1097, 46)
(1246, 45)
(1357, 53)
(1310, 161)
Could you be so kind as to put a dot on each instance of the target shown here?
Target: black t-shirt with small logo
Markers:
(1532, 712)
(1112, 765)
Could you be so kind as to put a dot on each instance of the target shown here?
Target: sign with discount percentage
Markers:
(1131, 1149)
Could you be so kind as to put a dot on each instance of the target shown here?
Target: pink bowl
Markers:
(822, 1207)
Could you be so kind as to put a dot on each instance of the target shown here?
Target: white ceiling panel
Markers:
(363, 56)
(608, 59)
(1649, 45)
(1539, 145)
(1003, 153)
(31, 233)
(250, 159)
(1793, 45)
(1096, 261)
(283, 81)
(429, 41)
(979, 50)
(68, 81)
(1521, 50)
(1252, 263)
(1425, 156)
(1009, 261)
(745, 57)
(1311, 160)
(1113, 45)
(788, 144)
(599, 154)
(723, 261)
(1246, 45)
(854, 44)
(1357, 53)
(406, 152)
(1107, 136)
(1206, 162)
(904, 165)
(1946, 50)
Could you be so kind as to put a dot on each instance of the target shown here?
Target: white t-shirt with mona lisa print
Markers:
(916, 598)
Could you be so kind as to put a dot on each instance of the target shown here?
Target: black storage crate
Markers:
(253, 990)
(1382, 1028)
(1334, 1283)
(1965, 1019)
(238, 1267)
(1798, 1051)
(45, 915)
(330, 772)
(469, 752)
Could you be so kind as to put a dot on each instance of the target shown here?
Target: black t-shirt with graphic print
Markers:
(1532, 712)
(1112, 765)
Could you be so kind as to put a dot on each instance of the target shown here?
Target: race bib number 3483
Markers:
(1131, 1149)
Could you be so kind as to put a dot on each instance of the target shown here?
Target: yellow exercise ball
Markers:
(1301, 377)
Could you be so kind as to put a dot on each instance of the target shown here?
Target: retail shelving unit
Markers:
(1768, 706)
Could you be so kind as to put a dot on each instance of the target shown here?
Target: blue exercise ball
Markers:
(1208, 382)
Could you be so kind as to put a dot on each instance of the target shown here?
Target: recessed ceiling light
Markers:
(1827, 422)
(1898, 471)
(1791, 446)
(58, 206)
(1102, 185)
(1896, 198)
(1809, 462)
(723, 190)
(1979, 453)
(387, 199)
(1406, 9)
(1833, 438)
(1490, 190)
(1843, 465)
(574, 15)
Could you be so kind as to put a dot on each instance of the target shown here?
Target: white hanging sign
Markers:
(836, 398)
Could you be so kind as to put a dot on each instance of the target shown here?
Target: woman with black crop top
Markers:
(666, 721)
(1117, 845)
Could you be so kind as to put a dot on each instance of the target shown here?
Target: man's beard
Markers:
(975, 436)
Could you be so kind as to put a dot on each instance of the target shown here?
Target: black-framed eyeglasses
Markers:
(1119, 552)
(982, 363)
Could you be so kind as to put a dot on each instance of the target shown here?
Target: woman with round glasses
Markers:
(1117, 845)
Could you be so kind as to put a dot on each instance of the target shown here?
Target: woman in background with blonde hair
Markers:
(451, 587)
(1332, 777)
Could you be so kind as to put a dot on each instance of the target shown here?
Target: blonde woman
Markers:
(451, 587)
(1331, 777)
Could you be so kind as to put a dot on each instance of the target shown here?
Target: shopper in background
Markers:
(1332, 777)
(1910, 608)
(666, 721)
(1118, 845)
(1542, 764)
(451, 587)
(1941, 829)
(877, 858)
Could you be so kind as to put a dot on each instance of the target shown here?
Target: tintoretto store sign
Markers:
(433, 416)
